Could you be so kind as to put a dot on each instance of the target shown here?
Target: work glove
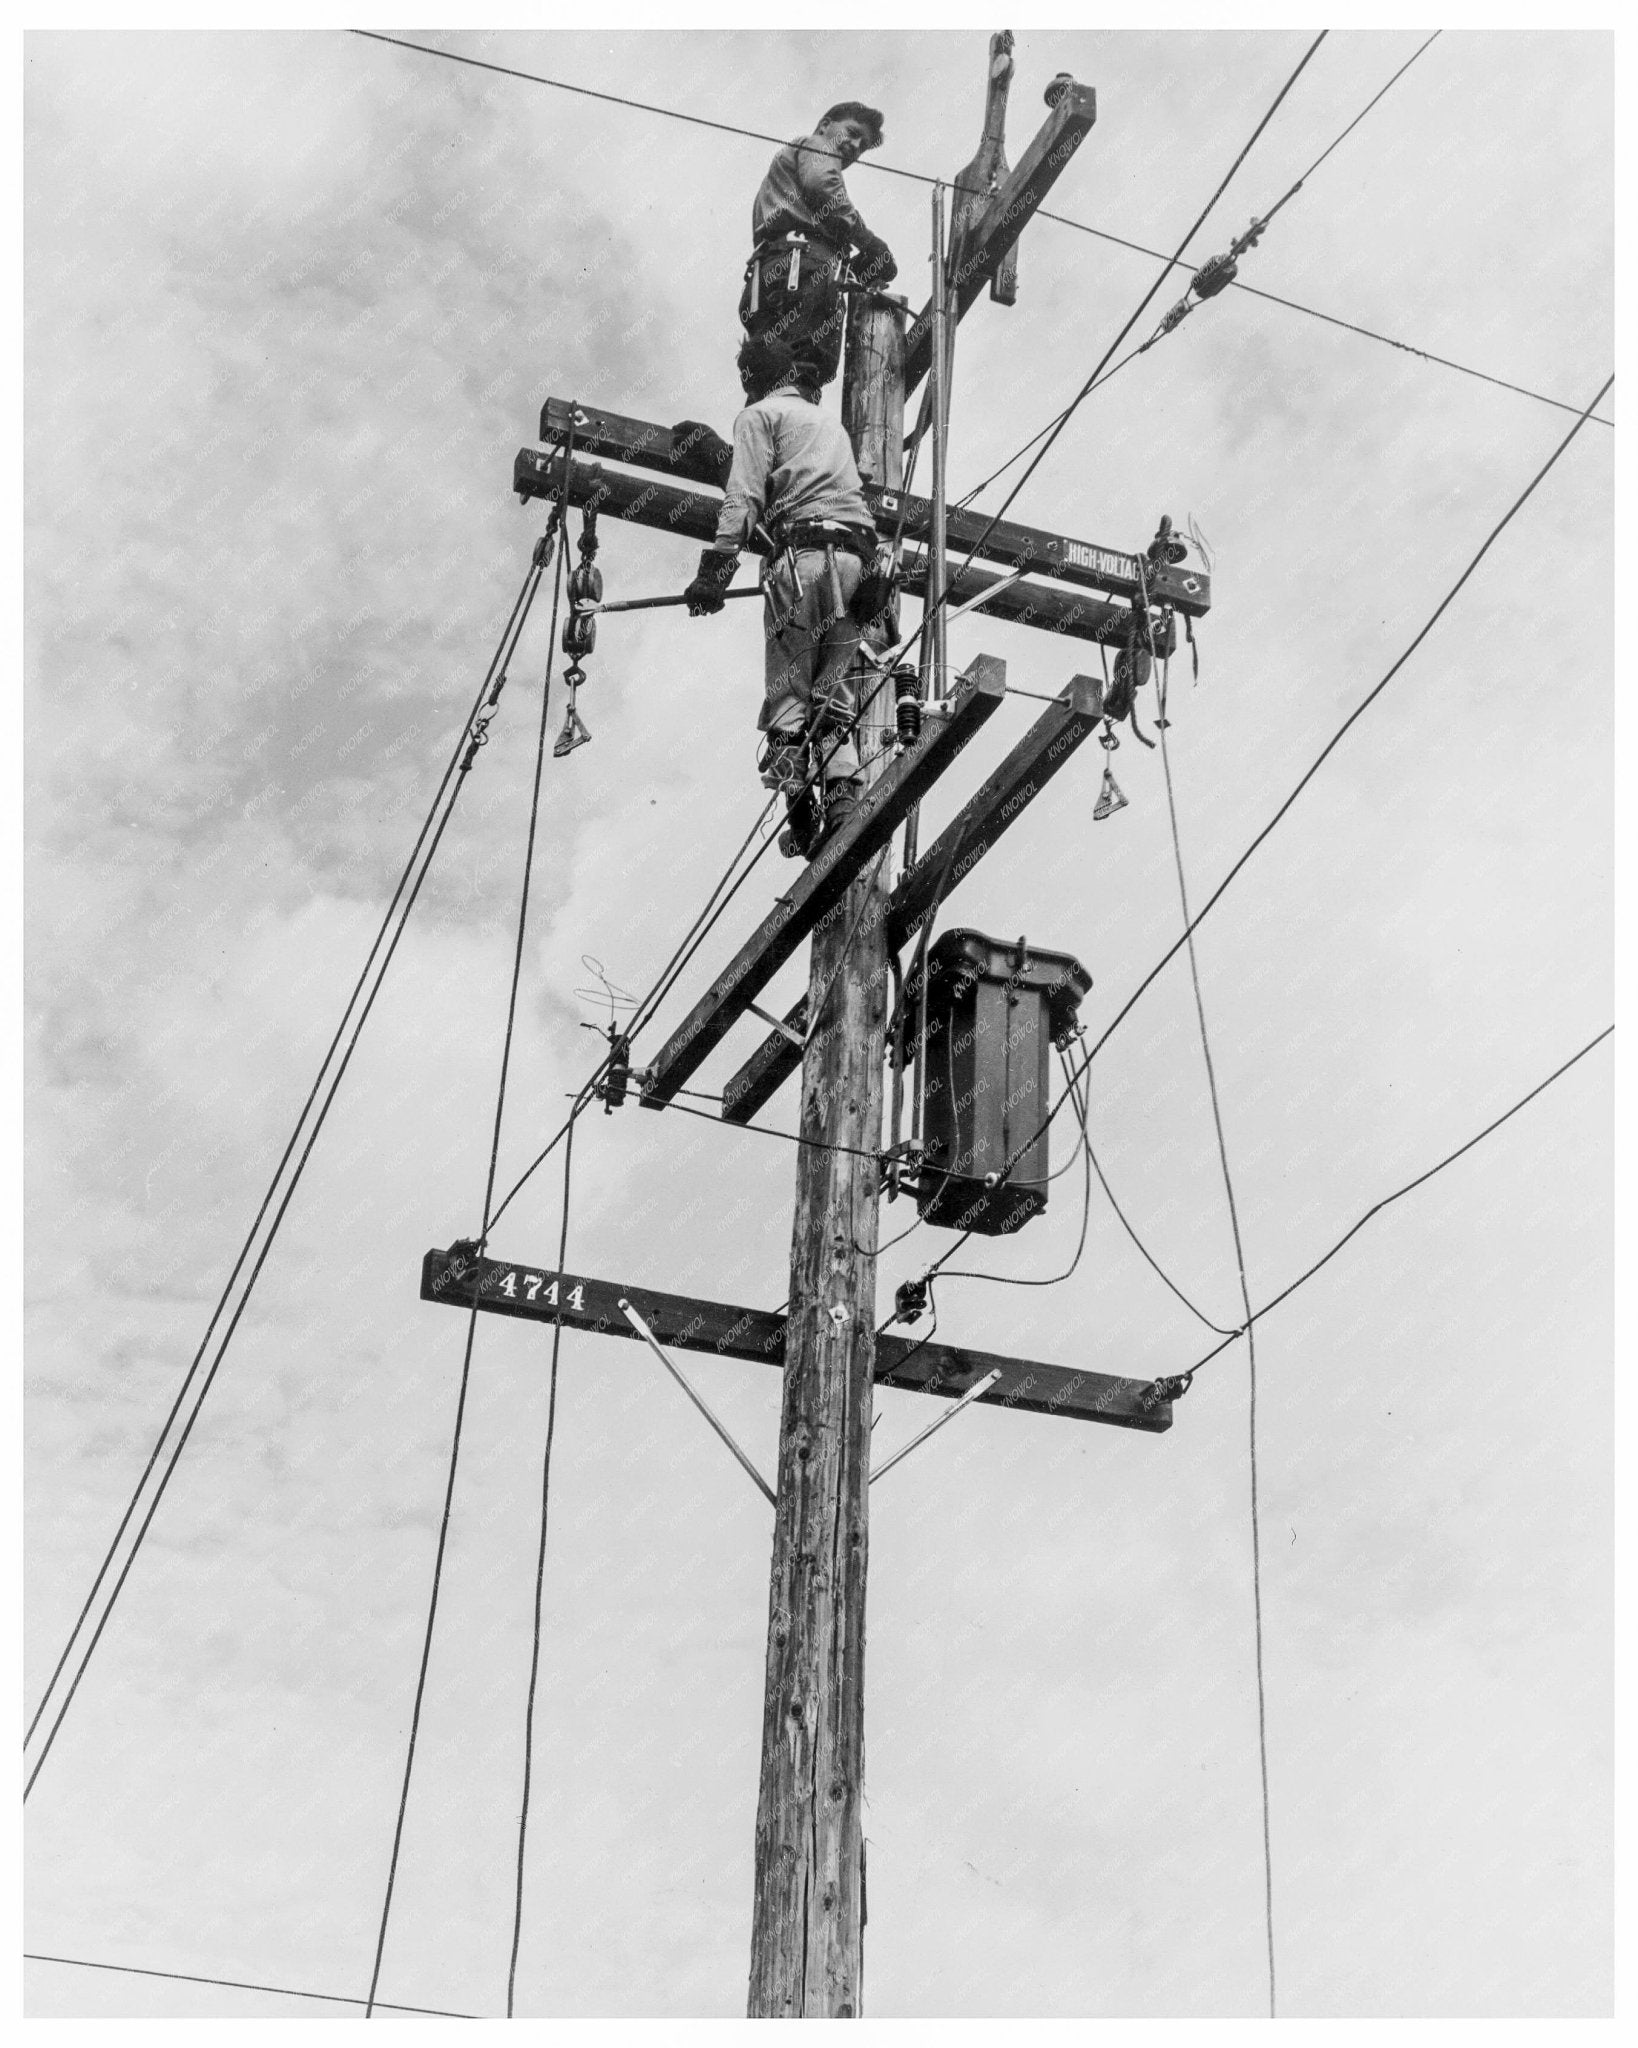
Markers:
(711, 580)
(700, 452)
(874, 267)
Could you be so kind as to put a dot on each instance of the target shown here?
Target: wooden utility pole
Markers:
(808, 1920)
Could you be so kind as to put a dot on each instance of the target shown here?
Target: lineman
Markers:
(803, 227)
(793, 471)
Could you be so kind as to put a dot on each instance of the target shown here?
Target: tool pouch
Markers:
(875, 602)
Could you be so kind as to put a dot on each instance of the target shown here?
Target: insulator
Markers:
(1215, 275)
(585, 584)
(579, 633)
(618, 1075)
(907, 703)
(910, 1301)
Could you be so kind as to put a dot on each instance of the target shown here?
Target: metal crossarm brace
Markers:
(686, 1323)
(1032, 548)
(824, 883)
(981, 821)
(696, 1397)
(973, 1393)
(1004, 218)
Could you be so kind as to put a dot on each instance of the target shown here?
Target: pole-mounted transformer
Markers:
(994, 1012)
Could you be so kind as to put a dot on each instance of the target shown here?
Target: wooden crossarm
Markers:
(536, 1294)
(1083, 563)
(824, 882)
(1005, 217)
(693, 515)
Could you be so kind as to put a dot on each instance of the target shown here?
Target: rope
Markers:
(468, 740)
(1251, 1343)
(540, 1583)
(488, 1197)
(240, 1984)
(1410, 1186)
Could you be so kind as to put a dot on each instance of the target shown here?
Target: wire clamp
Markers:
(910, 1300)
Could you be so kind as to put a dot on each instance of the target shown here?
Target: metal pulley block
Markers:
(580, 632)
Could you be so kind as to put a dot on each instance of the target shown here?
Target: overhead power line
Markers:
(488, 1203)
(1251, 1342)
(1102, 364)
(473, 734)
(890, 170)
(242, 1984)
(1398, 1194)
(1303, 781)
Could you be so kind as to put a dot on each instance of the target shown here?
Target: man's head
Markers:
(768, 363)
(850, 128)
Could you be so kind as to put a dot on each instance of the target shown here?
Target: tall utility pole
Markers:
(806, 1947)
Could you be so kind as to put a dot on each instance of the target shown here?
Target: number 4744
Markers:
(533, 1283)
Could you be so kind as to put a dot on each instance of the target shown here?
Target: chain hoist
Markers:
(585, 591)
(1110, 796)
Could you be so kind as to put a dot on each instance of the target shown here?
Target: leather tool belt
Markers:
(828, 533)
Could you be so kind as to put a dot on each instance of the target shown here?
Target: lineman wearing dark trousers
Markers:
(793, 471)
(804, 229)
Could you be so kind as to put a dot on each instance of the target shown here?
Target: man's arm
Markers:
(742, 507)
(819, 173)
(747, 491)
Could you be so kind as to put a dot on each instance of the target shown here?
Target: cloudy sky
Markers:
(293, 302)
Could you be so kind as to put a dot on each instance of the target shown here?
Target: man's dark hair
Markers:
(766, 362)
(856, 110)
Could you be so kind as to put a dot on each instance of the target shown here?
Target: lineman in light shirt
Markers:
(793, 471)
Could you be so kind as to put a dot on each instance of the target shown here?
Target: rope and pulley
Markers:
(585, 593)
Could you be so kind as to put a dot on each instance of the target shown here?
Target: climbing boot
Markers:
(841, 806)
(806, 824)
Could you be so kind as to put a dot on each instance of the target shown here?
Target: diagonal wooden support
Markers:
(1004, 797)
(824, 882)
(689, 1324)
(986, 241)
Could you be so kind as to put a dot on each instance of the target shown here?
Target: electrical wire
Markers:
(488, 1199)
(471, 737)
(1410, 1186)
(1062, 220)
(1049, 1279)
(1153, 1263)
(1259, 225)
(540, 1586)
(241, 1984)
(1245, 1297)
(1323, 755)
(1103, 361)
